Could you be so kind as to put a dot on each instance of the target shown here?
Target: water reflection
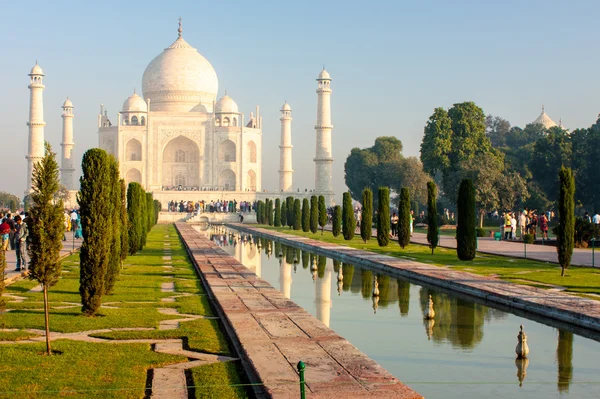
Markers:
(465, 340)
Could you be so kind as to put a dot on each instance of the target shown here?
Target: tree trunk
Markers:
(48, 351)
(562, 271)
(481, 213)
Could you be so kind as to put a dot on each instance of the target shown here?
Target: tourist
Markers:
(513, 226)
(522, 223)
(533, 225)
(507, 226)
(544, 226)
(4, 233)
(412, 219)
(394, 224)
(13, 229)
(74, 219)
(596, 221)
(77, 227)
(21, 235)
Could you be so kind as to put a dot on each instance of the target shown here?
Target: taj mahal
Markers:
(182, 143)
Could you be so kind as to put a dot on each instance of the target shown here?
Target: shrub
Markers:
(383, 216)
(584, 232)
(404, 218)
(366, 223)
(270, 216)
(305, 215)
(297, 218)
(466, 240)
(528, 238)
(432, 216)
(480, 232)
(348, 220)
(134, 214)
(336, 222)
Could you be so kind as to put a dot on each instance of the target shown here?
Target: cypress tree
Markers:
(305, 215)
(336, 222)
(277, 218)
(95, 205)
(263, 212)
(366, 215)
(289, 206)
(124, 222)
(565, 237)
(383, 216)
(258, 212)
(314, 214)
(157, 209)
(143, 217)
(46, 231)
(322, 213)
(134, 215)
(150, 209)
(348, 220)
(466, 238)
(404, 218)
(270, 216)
(283, 216)
(114, 260)
(432, 219)
(297, 218)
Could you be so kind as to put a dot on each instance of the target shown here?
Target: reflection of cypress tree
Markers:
(384, 290)
(356, 286)
(366, 277)
(403, 296)
(277, 248)
(564, 357)
(321, 264)
(348, 272)
(469, 320)
(336, 265)
(305, 259)
(289, 255)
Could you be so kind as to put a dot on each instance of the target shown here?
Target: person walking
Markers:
(394, 225)
(4, 233)
(544, 226)
(513, 226)
(21, 235)
(13, 229)
(522, 223)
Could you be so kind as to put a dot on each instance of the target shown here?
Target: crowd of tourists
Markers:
(212, 206)
(14, 230)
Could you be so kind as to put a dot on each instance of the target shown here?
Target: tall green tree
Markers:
(297, 215)
(95, 207)
(432, 216)
(259, 212)
(134, 217)
(114, 260)
(565, 231)
(404, 218)
(550, 153)
(348, 220)
(47, 230)
(305, 215)
(270, 216)
(284, 212)
(366, 223)
(383, 216)
(437, 142)
(150, 211)
(336, 222)
(143, 217)
(322, 213)
(124, 222)
(289, 206)
(314, 214)
(277, 216)
(466, 238)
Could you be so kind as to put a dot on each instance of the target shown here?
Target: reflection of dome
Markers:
(36, 70)
(545, 120)
(286, 107)
(226, 104)
(135, 103)
(67, 103)
(179, 78)
(324, 75)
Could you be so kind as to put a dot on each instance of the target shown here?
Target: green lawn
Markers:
(113, 370)
(522, 271)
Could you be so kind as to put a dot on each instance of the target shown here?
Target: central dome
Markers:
(179, 79)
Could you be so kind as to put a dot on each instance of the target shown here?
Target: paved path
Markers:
(539, 302)
(273, 333)
(11, 275)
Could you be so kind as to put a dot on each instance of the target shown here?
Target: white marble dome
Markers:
(67, 103)
(135, 103)
(545, 120)
(286, 107)
(36, 70)
(179, 79)
(324, 75)
(226, 105)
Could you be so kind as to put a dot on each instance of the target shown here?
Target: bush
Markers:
(336, 221)
(305, 215)
(383, 216)
(466, 240)
(480, 232)
(348, 220)
(297, 212)
(584, 232)
(528, 238)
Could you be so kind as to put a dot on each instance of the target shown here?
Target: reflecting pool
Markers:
(466, 351)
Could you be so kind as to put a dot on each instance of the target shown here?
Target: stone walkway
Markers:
(559, 306)
(273, 334)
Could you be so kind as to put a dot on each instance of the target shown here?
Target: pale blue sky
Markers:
(391, 62)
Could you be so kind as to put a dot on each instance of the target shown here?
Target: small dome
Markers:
(286, 107)
(324, 75)
(36, 70)
(545, 120)
(135, 103)
(67, 103)
(199, 108)
(226, 105)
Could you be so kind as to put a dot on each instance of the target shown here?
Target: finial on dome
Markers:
(134, 90)
(542, 108)
(180, 29)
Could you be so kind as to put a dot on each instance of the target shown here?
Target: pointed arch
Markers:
(133, 175)
(227, 151)
(251, 180)
(181, 163)
(227, 180)
(251, 151)
(133, 150)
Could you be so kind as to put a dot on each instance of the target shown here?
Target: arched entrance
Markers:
(133, 175)
(252, 152)
(133, 150)
(251, 180)
(227, 180)
(227, 151)
(181, 164)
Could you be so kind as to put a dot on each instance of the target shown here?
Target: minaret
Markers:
(67, 168)
(36, 122)
(323, 297)
(323, 158)
(285, 148)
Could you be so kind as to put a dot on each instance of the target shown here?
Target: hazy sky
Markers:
(392, 63)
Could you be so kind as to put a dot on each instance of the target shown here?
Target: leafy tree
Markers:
(565, 231)
(134, 216)
(412, 176)
(336, 222)
(143, 217)
(322, 213)
(95, 207)
(497, 130)
(366, 223)
(314, 214)
(270, 217)
(383, 217)
(348, 220)
(437, 142)
(277, 219)
(550, 153)
(297, 215)
(9, 201)
(305, 215)
(114, 255)
(124, 221)
(432, 216)
(466, 239)
(289, 206)
(47, 229)
(283, 215)
(404, 218)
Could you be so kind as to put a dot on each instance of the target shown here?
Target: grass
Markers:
(111, 370)
(216, 380)
(518, 270)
